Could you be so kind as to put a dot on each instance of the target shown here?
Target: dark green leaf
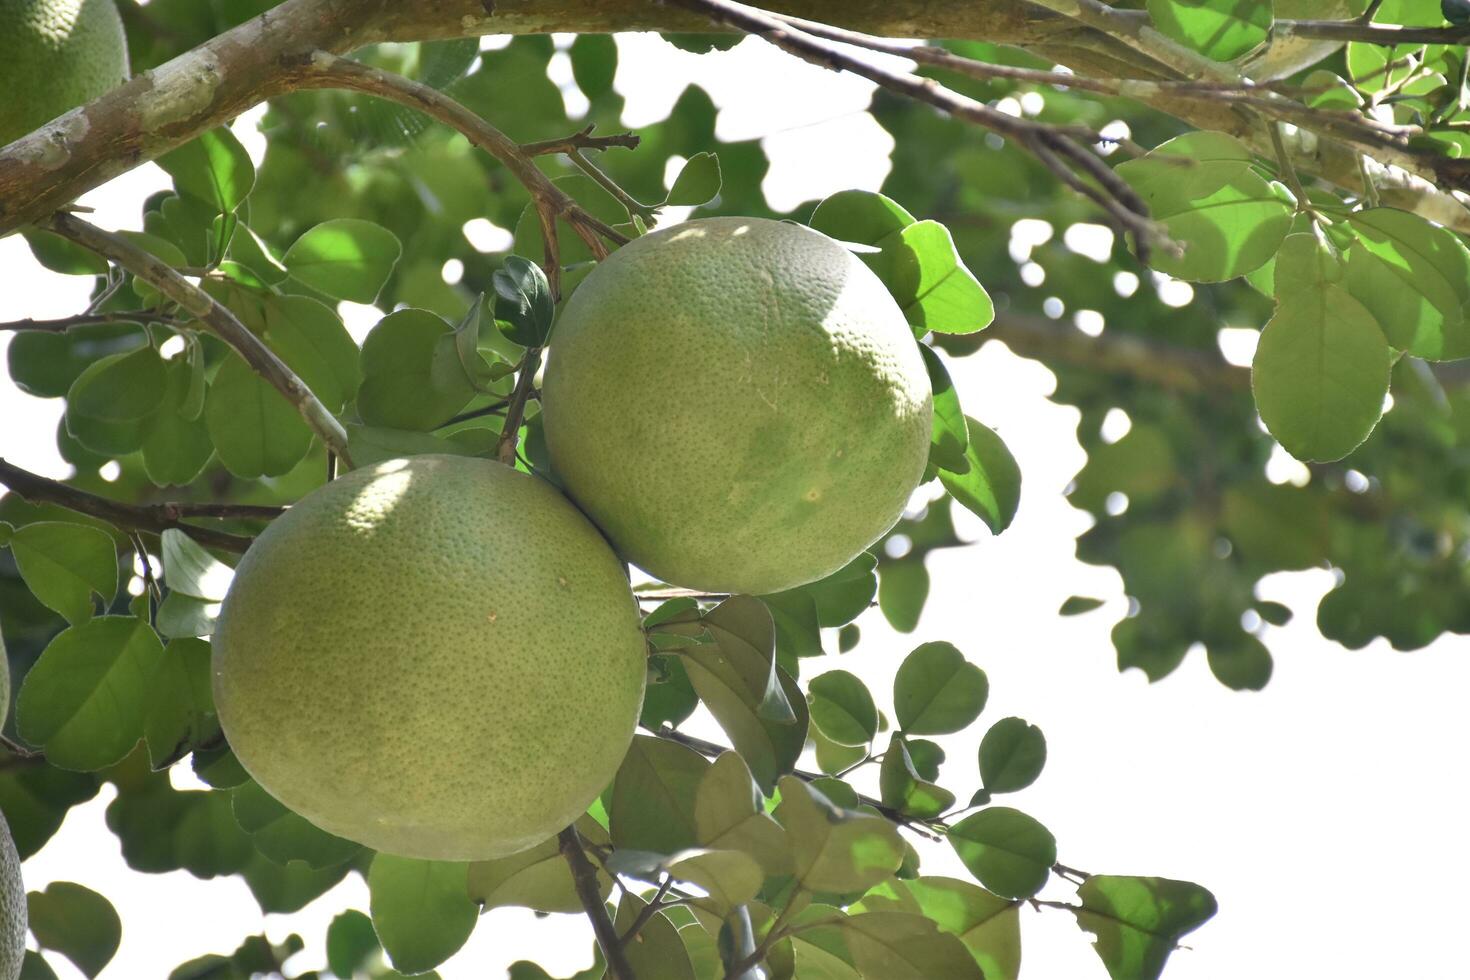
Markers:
(523, 301)
(76, 922)
(903, 587)
(85, 700)
(1414, 278)
(950, 436)
(652, 806)
(179, 713)
(1007, 851)
(1240, 662)
(845, 594)
(64, 565)
(412, 377)
(1076, 605)
(990, 487)
(421, 910)
(1138, 921)
(1012, 755)
(987, 924)
(658, 953)
(119, 388)
(346, 258)
(309, 336)
(63, 255)
(728, 814)
(351, 942)
(937, 691)
(282, 835)
(255, 430)
(904, 789)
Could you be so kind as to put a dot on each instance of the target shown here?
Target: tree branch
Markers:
(584, 879)
(196, 301)
(515, 411)
(154, 518)
(581, 140)
(1058, 150)
(66, 323)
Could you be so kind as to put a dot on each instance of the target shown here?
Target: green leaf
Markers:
(34, 801)
(537, 878)
(309, 336)
(523, 301)
(798, 632)
(845, 594)
(1201, 187)
(412, 377)
(860, 217)
(937, 691)
(119, 388)
(47, 364)
(63, 255)
(669, 698)
(990, 484)
(653, 797)
(950, 437)
(346, 258)
(698, 182)
(903, 587)
(64, 565)
(421, 910)
(176, 444)
(1414, 278)
(1241, 662)
(529, 240)
(895, 946)
(728, 815)
(835, 850)
(189, 569)
(924, 272)
(76, 922)
(1012, 755)
(35, 967)
(255, 431)
(1138, 921)
(843, 709)
(84, 700)
(179, 713)
(351, 943)
(282, 835)
(904, 789)
(160, 248)
(1320, 374)
(1076, 605)
(212, 167)
(1008, 852)
(755, 701)
(251, 251)
(658, 953)
(1221, 30)
(988, 925)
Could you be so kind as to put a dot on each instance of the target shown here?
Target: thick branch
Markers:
(161, 276)
(584, 879)
(154, 518)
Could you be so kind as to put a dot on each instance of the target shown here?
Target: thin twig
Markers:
(1075, 165)
(66, 323)
(581, 140)
(154, 518)
(494, 408)
(584, 879)
(515, 411)
(1283, 160)
(631, 204)
(196, 301)
(646, 914)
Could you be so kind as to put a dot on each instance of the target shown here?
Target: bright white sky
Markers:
(1320, 811)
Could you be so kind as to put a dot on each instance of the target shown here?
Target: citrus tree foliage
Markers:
(714, 859)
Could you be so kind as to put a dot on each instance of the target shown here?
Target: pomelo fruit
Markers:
(54, 56)
(738, 403)
(13, 918)
(438, 657)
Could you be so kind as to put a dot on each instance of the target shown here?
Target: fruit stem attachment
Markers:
(515, 411)
(584, 879)
(195, 301)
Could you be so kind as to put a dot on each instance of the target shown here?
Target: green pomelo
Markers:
(12, 907)
(738, 403)
(54, 56)
(436, 657)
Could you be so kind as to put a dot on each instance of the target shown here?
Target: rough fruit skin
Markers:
(436, 657)
(738, 403)
(13, 918)
(54, 56)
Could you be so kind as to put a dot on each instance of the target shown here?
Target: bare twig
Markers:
(326, 70)
(581, 140)
(584, 879)
(646, 914)
(66, 323)
(196, 301)
(1283, 160)
(154, 518)
(515, 411)
(1059, 151)
(628, 201)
